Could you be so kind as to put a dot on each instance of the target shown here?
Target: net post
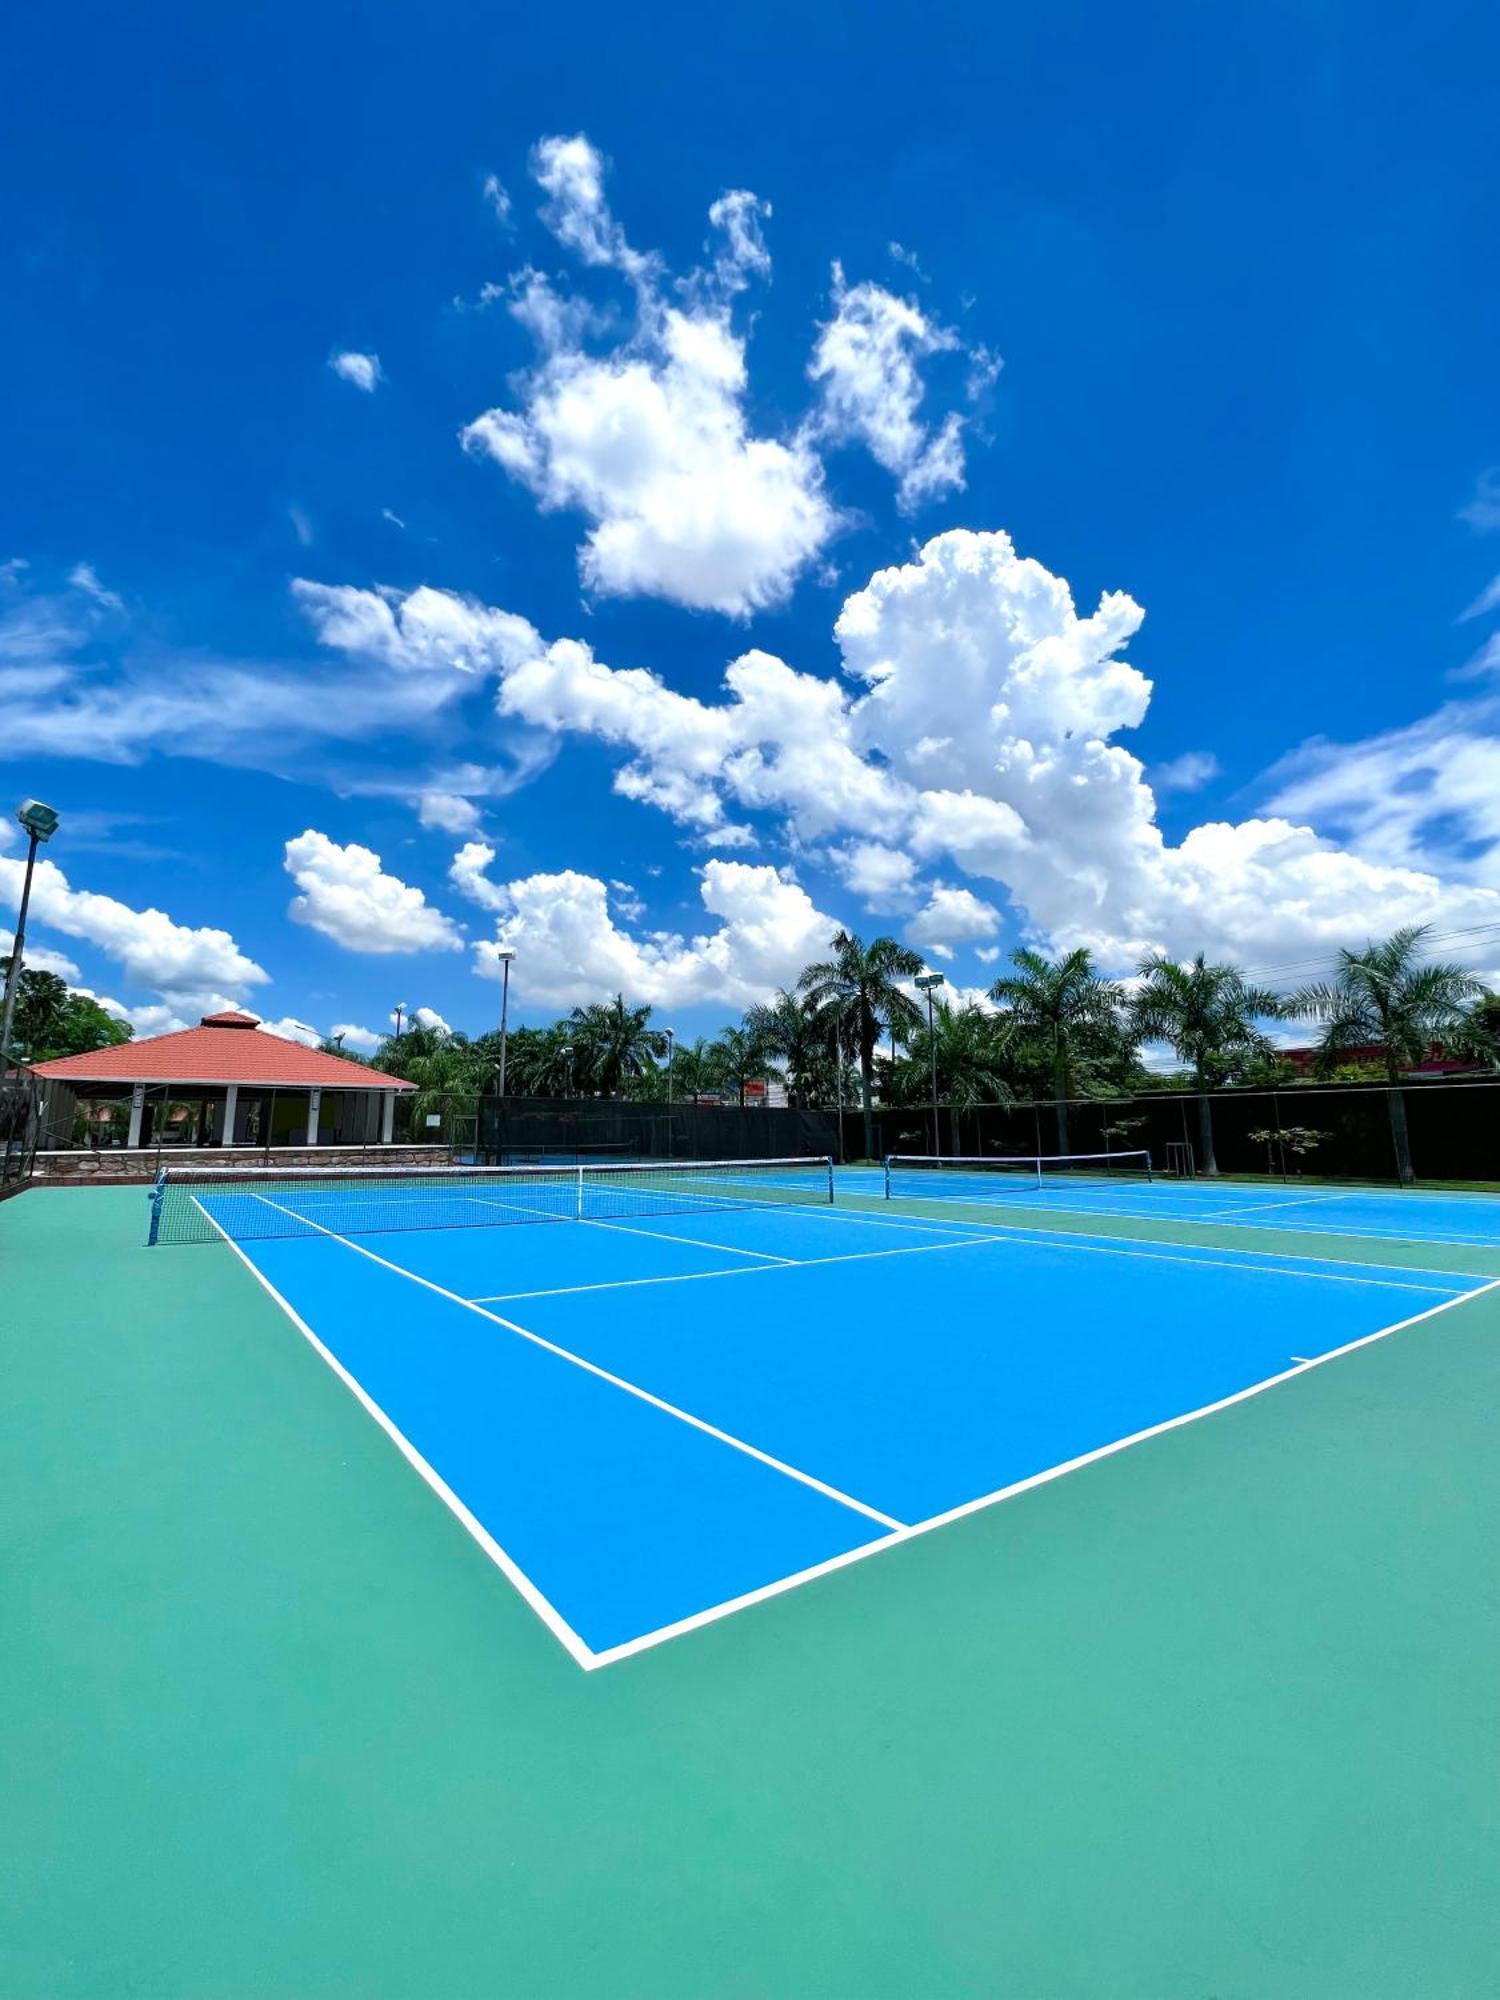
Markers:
(886, 1163)
(1150, 1174)
(578, 1213)
(829, 1164)
(158, 1190)
(1037, 1165)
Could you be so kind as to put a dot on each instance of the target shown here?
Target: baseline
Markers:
(815, 1571)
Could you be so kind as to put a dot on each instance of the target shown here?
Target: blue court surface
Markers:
(648, 1423)
(1414, 1215)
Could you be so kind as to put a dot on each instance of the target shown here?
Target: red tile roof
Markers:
(223, 1048)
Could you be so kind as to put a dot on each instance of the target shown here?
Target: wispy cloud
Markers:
(361, 371)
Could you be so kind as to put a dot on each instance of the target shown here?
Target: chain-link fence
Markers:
(18, 1128)
(512, 1130)
(1322, 1131)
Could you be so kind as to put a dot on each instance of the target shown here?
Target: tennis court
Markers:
(657, 1395)
(1210, 1714)
(1119, 1185)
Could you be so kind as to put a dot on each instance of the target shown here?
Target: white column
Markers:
(387, 1116)
(314, 1106)
(137, 1108)
(231, 1112)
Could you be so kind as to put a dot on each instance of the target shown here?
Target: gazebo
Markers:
(227, 1082)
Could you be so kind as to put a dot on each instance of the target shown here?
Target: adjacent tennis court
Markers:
(1127, 1184)
(693, 1387)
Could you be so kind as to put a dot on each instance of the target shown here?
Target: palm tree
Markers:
(612, 1043)
(855, 995)
(788, 1029)
(1206, 1014)
(536, 1065)
(1383, 997)
(449, 1078)
(738, 1057)
(1065, 1005)
(971, 1048)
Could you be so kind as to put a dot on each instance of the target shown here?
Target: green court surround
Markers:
(1215, 1718)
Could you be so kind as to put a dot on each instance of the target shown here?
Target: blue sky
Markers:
(1080, 430)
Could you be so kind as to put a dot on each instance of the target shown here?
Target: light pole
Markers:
(671, 1035)
(929, 982)
(505, 953)
(40, 823)
(838, 1070)
(398, 1010)
(567, 1056)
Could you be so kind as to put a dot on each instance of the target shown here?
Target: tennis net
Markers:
(208, 1204)
(930, 1176)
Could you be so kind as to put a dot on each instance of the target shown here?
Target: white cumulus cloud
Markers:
(978, 732)
(447, 812)
(651, 438)
(179, 960)
(344, 892)
(951, 917)
(570, 950)
(352, 1036)
(866, 365)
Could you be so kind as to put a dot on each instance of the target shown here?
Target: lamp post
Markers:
(505, 953)
(40, 823)
(929, 982)
(567, 1056)
(838, 1070)
(398, 1010)
(671, 1035)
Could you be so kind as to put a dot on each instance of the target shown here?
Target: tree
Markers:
(787, 1029)
(1384, 997)
(535, 1065)
(971, 1047)
(738, 1057)
(1067, 1007)
(52, 1019)
(1206, 1014)
(1479, 1037)
(855, 995)
(692, 1070)
(612, 1043)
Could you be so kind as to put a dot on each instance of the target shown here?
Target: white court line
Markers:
(1106, 1246)
(1258, 1207)
(605, 1375)
(740, 1270)
(585, 1656)
(698, 1242)
(612, 1654)
(550, 1616)
(1086, 1237)
(1225, 1222)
